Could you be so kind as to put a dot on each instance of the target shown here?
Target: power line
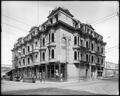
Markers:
(13, 26)
(104, 20)
(17, 20)
(111, 47)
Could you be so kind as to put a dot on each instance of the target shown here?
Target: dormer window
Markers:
(51, 20)
(56, 17)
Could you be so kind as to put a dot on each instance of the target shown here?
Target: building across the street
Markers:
(61, 47)
(110, 69)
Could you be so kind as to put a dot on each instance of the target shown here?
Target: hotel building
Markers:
(61, 44)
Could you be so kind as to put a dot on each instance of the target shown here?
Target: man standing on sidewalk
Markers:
(43, 76)
(40, 76)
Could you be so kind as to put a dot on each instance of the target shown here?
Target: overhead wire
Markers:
(16, 20)
(112, 47)
(105, 18)
(102, 18)
(14, 26)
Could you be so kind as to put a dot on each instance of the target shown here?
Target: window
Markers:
(92, 59)
(52, 37)
(52, 53)
(81, 56)
(56, 17)
(49, 37)
(49, 53)
(75, 55)
(102, 61)
(75, 40)
(78, 40)
(28, 48)
(24, 61)
(81, 42)
(19, 63)
(28, 60)
(35, 56)
(92, 46)
(86, 57)
(87, 44)
(98, 48)
(43, 56)
(78, 55)
(23, 51)
(36, 43)
(98, 59)
(87, 30)
(43, 41)
(51, 20)
(101, 50)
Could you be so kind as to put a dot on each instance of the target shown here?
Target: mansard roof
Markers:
(59, 8)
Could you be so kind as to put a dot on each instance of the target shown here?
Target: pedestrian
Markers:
(40, 76)
(57, 74)
(61, 77)
(43, 76)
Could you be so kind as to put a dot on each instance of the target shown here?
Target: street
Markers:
(105, 87)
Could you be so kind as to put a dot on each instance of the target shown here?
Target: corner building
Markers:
(61, 44)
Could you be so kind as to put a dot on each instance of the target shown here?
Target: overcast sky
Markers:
(19, 16)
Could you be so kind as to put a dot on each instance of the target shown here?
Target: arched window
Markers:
(43, 56)
(36, 56)
(24, 61)
(43, 41)
(98, 59)
(92, 46)
(81, 56)
(98, 48)
(102, 61)
(101, 50)
(86, 57)
(19, 63)
(28, 48)
(52, 37)
(78, 40)
(92, 59)
(49, 37)
(52, 53)
(75, 40)
(75, 55)
(78, 55)
(87, 44)
(28, 60)
(49, 53)
(24, 51)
